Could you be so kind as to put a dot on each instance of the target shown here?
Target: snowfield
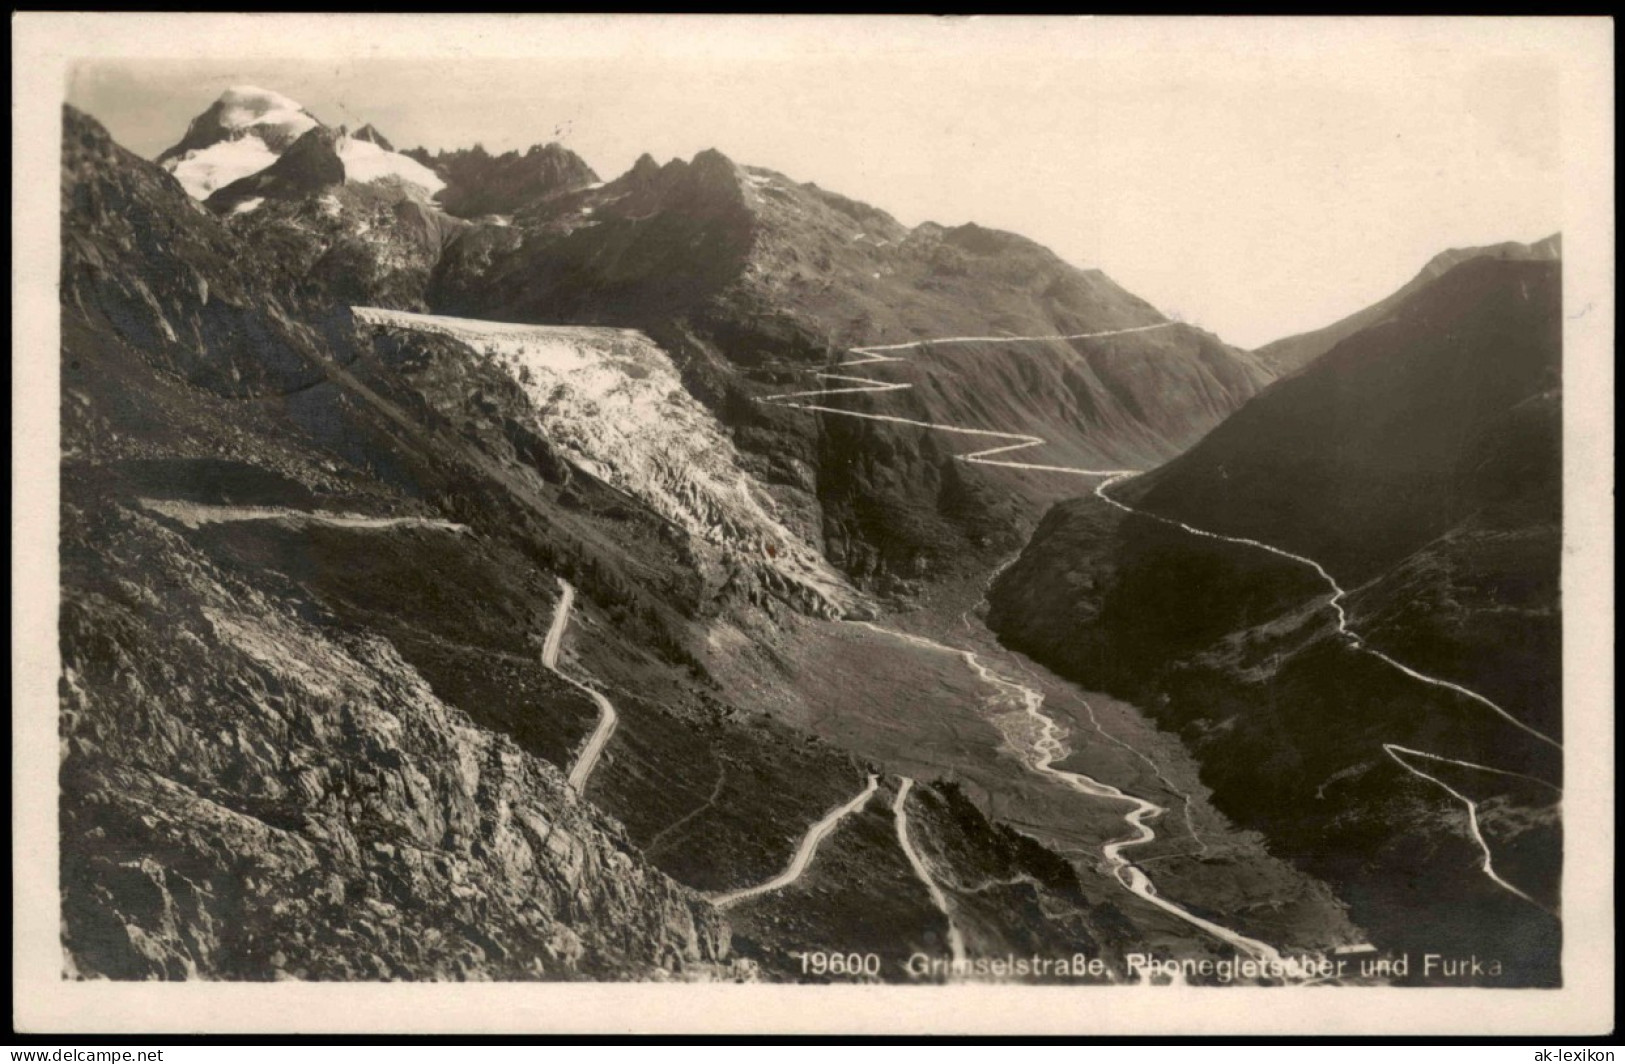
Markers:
(202, 171)
(612, 401)
(365, 161)
(260, 125)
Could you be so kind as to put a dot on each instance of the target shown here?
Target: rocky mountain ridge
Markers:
(479, 184)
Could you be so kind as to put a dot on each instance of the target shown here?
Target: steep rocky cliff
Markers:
(250, 790)
(248, 796)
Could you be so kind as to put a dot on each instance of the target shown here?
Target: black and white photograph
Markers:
(937, 503)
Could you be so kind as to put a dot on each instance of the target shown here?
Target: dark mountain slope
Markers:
(353, 244)
(708, 238)
(1292, 353)
(166, 279)
(1419, 463)
(1400, 433)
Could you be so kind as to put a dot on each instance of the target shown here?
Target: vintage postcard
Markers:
(816, 524)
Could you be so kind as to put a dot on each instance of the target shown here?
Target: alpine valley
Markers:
(474, 567)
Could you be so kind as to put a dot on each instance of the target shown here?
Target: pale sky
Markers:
(1255, 177)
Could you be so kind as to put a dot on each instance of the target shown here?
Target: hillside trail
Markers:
(1394, 751)
(607, 717)
(197, 514)
(916, 861)
(804, 852)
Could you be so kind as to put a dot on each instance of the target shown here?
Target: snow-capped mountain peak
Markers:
(242, 106)
(241, 133)
(248, 128)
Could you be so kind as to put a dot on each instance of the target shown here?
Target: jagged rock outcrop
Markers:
(480, 184)
(249, 797)
(354, 244)
(371, 135)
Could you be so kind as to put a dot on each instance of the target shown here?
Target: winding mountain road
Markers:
(561, 621)
(956, 941)
(587, 760)
(868, 356)
(805, 852)
(1487, 864)
(607, 717)
(1037, 741)
(1048, 748)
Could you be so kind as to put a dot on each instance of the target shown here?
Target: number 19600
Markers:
(819, 962)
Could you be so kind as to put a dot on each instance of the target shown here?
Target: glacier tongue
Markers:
(612, 401)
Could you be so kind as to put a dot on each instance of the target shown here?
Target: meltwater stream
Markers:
(1038, 742)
